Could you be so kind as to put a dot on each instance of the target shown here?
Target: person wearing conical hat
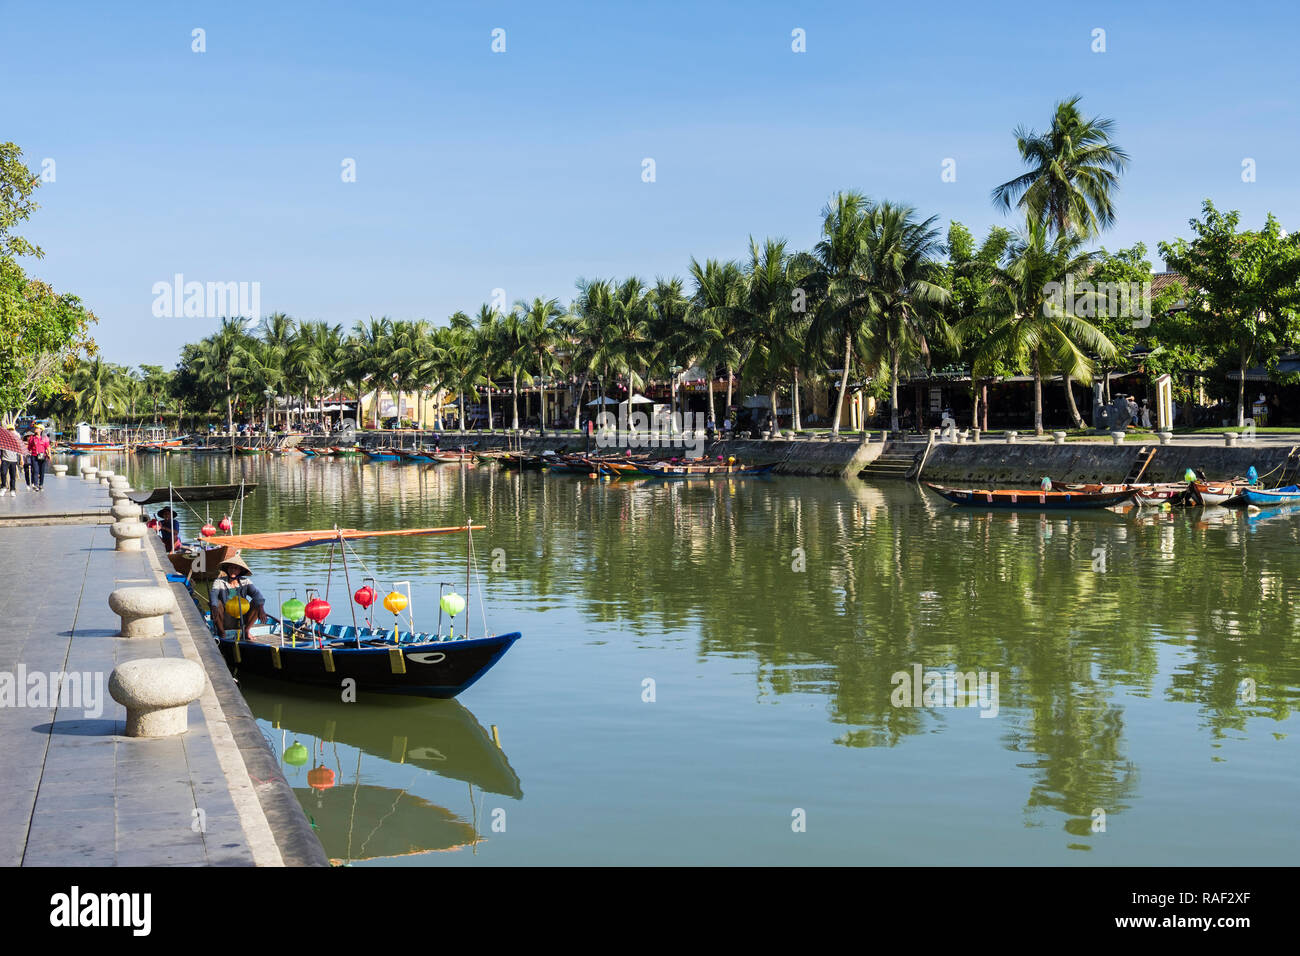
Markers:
(236, 602)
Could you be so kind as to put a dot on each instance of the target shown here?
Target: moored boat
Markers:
(1268, 497)
(1031, 499)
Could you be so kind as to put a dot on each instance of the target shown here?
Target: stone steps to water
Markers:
(890, 466)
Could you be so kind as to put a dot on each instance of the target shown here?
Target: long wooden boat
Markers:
(1155, 492)
(193, 493)
(90, 448)
(383, 454)
(1031, 500)
(453, 455)
(1267, 498)
(248, 450)
(347, 452)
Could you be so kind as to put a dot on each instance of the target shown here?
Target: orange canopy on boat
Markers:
(280, 540)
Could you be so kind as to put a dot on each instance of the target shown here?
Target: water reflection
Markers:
(355, 752)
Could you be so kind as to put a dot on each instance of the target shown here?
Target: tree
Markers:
(969, 272)
(542, 338)
(1026, 328)
(712, 320)
(1243, 292)
(16, 204)
(1073, 170)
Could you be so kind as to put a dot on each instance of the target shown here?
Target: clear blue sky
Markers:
(522, 170)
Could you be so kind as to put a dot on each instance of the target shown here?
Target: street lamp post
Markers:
(266, 423)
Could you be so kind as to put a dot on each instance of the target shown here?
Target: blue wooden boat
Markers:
(1261, 498)
(380, 661)
(382, 456)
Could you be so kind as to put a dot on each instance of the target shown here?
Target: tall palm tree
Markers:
(670, 308)
(487, 342)
(221, 363)
(906, 289)
(1027, 328)
(542, 335)
(96, 388)
(712, 321)
(838, 284)
(1073, 170)
(367, 358)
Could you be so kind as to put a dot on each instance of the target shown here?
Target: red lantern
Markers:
(317, 610)
(365, 596)
(321, 778)
(207, 531)
(225, 524)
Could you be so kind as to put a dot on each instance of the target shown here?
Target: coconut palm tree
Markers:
(838, 284)
(542, 335)
(905, 289)
(1026, 328)
(487, 343)
(368, 350)
(220, 359)
(96, 387)
(1073, 170)
(712, 321)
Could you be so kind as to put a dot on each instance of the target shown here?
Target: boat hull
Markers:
(1267, 499)
(1030, 500)
(438, 669)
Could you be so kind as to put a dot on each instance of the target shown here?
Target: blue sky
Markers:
(522, 170)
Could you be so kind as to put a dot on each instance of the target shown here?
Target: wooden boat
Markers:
(1267, 498)
(1031, 499)
(1156, 492)
(247, 450)
(347, 452)
(381, 660)
(521, 462)
(91, 448)
(193, 493)
(383, 454)
(453, 455)
(414, 457)
(1215, 492)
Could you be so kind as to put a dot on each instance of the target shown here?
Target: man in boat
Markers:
(232, 582)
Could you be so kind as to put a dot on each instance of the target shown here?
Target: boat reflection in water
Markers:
(356, 768)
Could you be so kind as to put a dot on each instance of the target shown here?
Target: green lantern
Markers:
(1189, 475)
(296, 754)
(293, 610)
(452, 603)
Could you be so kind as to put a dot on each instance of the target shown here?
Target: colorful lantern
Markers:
(1045, 484)
(365, 596)
(1189, 475)
(207, 531)
(225, 524)
(296, 754)
(452, 603)
(293, 610)
(395, 602)
(237, 606)
(317, 610)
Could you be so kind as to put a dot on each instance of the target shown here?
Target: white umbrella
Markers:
(603, 401)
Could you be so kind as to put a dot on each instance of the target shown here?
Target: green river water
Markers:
(713, 672)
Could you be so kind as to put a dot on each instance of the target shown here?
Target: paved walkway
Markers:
(73, 790)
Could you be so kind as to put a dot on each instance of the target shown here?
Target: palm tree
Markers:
(1073, 169)
(905, 289)
(838, 285)
(96, 387)
(712, 321)
(487, 342)
(543, 337)
(367, 359)
(1027, 328)
(220, 363)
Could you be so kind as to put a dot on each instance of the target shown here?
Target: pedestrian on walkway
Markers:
(11, 449)
(38, 451)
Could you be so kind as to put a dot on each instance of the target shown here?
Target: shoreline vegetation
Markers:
(884, 298)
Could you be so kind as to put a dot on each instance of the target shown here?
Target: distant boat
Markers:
(1032, 500)
(184, 493)
(91, 447)
(678, 472)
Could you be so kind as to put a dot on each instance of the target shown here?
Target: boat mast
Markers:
(469, 545)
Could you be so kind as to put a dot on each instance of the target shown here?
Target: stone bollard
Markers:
(1058, 438)
(1165, 437)
(1230, 439)
(1117, 438)
(156, 693)
(60, 471)
(142, 609)
(975, 435)
(89, 474)
(119, 481)
(104, 477)
(127, 512)
(1011, 437)
(128, 534)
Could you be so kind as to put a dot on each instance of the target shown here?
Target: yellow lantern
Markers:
(237, 606)
(395, 602)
